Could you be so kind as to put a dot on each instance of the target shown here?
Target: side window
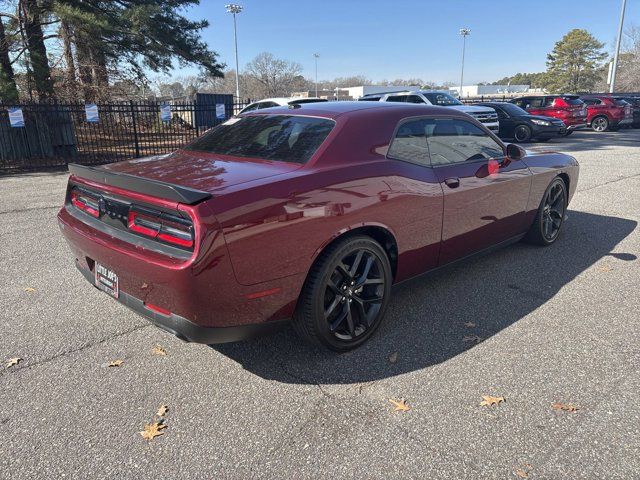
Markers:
(410, 142)
(414, 99)
(500, 112)
(548, 102)
(522, 103)
(537, 102)
(397, 98)
(451, 140)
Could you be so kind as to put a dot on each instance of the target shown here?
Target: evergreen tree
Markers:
(8, 88)
(575, 63)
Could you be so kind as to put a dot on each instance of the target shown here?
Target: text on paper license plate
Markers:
(107, 280)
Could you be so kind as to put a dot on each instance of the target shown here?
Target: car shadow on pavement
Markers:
(429, 318)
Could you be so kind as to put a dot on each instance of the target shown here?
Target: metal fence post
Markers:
(135, 128)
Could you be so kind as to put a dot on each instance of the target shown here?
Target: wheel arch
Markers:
(379, 232)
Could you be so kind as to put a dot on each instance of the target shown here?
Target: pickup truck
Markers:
(485, 115)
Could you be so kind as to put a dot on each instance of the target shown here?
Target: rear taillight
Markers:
(85, 202)
(161, 226)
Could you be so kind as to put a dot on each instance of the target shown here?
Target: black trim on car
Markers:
(188, 331)
(155, 188)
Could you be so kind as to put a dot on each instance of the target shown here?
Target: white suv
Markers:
(485, 115)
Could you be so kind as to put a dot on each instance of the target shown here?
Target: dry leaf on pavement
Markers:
(13, 361)
(162, 411)
(393, 358)
(158, 350)
(29, 289)
(488, 400)
(472, 338)
(522, 473)
(605, 268)
(152, 430)
(115, 363)
(401, 405)
(567, 407)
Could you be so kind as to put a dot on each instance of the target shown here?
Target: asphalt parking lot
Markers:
(559, 325)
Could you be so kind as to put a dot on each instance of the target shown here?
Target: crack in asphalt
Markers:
(620, 179)
(81, 348)
(21, 210)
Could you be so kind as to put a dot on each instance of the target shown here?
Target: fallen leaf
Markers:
(152, 430)
(567, 407)
(522, 473)
(158, 350)
(472, 338)
(13, 361)
(605, 268)
(469, 324)
(115, 363)
(393, 358)
(162, 411)
(29, 289)
(144, 286)
(401, 405)
(488, 400)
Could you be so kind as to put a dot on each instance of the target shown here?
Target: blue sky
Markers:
(402, 39)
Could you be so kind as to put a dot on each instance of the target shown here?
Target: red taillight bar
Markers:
(160, 228)
(83, 202)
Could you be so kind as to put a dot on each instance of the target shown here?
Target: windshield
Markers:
(512, 109)
(442, 99)
(284, 138)
(572, 100)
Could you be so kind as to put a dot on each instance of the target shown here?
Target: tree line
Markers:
(71, 49)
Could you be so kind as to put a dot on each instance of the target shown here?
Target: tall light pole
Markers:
(464, 32)
(316, 56)
(614, 67)
(234, 10)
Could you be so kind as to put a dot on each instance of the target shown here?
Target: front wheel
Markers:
(345, 296)
(522, 133)
(600, 124)
(550, 217)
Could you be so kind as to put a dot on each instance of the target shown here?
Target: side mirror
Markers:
(515, 152)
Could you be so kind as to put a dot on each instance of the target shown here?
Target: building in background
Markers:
(491, 90)
(354, 93)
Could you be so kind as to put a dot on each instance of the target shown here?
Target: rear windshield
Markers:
(285, 138)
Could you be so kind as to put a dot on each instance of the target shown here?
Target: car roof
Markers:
(338, 108)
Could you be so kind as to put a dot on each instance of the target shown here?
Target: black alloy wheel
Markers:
(522, 133)
(346, 294)
(550, 217)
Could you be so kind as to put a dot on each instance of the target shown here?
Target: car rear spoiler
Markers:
(155, 188)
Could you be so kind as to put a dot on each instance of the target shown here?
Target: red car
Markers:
(607, 113)
(568, 108)
(307, 213)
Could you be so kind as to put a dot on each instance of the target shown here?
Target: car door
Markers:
(507, 124)
(485, 193)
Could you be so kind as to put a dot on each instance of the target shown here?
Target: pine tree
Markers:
(575, 63)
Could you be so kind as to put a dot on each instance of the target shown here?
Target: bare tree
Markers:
(275, 76)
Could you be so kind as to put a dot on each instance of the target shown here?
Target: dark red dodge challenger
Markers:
(306, 214)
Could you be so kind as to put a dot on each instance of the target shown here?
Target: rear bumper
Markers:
(185, 329)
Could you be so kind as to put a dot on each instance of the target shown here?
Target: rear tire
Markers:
(345, 295)
(546, 227)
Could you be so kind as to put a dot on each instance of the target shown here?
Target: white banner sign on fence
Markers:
(220, 111)
(91, 109)
(16, 119)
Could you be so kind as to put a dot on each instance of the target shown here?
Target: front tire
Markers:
(550, 216)
(345, 296)
(522, 134)
(600, 124)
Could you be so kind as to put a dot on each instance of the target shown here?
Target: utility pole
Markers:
(612, 85)
(316, 56)
(464, 32)
(234, 10)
